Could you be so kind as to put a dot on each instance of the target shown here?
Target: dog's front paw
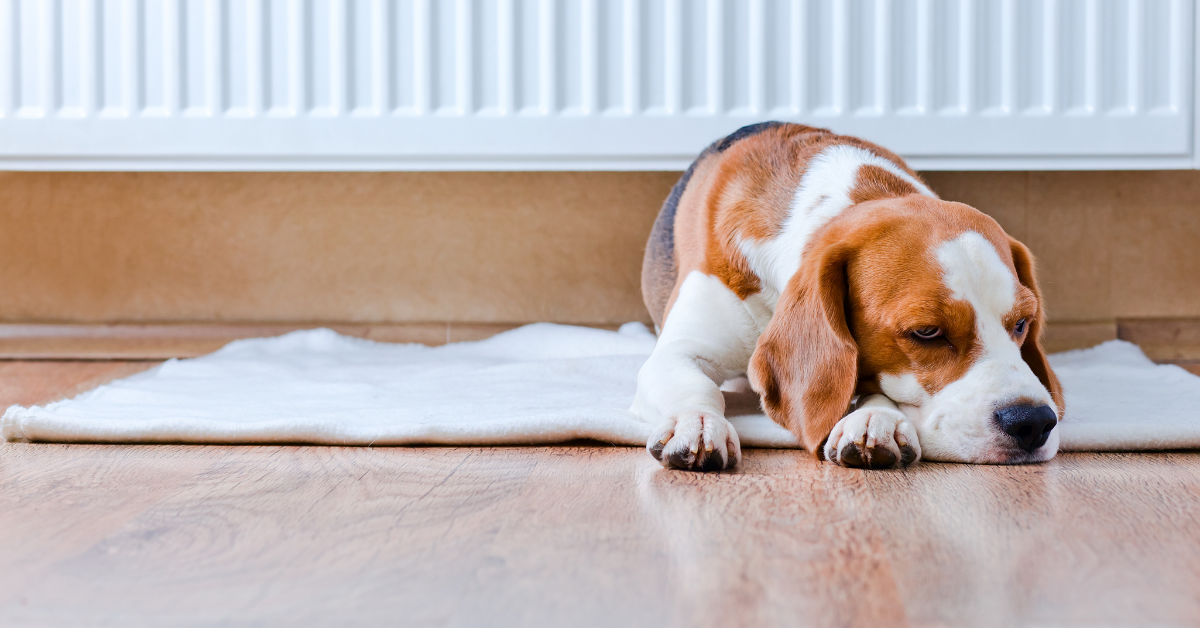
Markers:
(873, 438)
(696, 441)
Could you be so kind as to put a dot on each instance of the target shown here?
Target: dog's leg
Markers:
(707, 338)
(876, 435)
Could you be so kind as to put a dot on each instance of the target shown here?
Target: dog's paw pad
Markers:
(863, 457)
(873, 438)
(696, 441)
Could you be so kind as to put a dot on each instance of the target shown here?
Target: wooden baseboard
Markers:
(1167, 341)
(1176, 339)
(1068, 336)
(163, 341)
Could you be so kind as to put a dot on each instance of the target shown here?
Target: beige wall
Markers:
(1109, 244)
(361, 247)
(499, 247)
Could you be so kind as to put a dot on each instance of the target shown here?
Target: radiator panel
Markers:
(563, 84)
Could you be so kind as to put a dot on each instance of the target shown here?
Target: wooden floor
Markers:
(577, 536)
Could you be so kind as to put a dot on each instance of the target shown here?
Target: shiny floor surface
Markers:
(577, 536)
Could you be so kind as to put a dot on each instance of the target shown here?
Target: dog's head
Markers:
(929, 303)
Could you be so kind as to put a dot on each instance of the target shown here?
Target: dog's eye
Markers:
(1019, 328)
(927, 333)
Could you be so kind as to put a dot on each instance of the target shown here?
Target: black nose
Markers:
(1029, 425)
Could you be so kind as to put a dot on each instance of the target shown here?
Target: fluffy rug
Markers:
(533, 385)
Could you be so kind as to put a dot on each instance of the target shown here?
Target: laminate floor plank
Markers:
(59, 500)
(607, 537)
(1087, 539)
(95, 535)
(293, 535)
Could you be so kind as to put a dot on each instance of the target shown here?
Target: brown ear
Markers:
(1032, 351)
(805, 365)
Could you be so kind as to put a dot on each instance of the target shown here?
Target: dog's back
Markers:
(660, 267)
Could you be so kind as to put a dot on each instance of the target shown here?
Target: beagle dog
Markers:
(877, 322)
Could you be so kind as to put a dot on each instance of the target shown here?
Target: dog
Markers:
(878, 323)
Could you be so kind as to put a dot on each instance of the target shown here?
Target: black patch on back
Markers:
(660, 267)
(749, 130)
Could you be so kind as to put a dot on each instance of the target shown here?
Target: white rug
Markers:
(534, 385)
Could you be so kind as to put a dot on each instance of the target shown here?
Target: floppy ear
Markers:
(1032, 351)
(805, 365)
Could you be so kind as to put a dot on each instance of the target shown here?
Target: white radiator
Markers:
(587, 84)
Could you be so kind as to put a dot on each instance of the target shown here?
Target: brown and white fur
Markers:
(821, 267)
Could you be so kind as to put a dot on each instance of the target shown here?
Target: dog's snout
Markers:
(1029, 425)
